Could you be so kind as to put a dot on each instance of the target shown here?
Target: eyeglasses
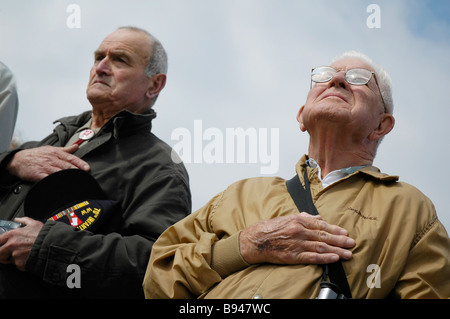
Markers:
(324, 74)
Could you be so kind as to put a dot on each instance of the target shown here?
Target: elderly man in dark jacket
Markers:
(114, 144)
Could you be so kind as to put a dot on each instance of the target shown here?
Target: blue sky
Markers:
(245, 63)
(426, 13)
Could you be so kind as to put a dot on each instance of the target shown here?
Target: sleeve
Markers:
(179, 265)
(111, 265)
(189, 258)
(9, 105)
(6, 179)
(427, 271)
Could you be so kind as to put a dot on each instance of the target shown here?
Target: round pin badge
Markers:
(86, 134)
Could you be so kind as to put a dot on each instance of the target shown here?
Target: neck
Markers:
(103, 112)
(100, 118)
(333, 151)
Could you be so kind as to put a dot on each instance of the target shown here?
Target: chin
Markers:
(332, 113)
(96, 92)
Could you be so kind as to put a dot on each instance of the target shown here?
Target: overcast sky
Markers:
(245, 64)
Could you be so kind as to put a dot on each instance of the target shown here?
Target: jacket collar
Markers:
(370, 171)
(121, 124)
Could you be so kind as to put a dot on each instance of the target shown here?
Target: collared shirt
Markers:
(333, 176)
(75, 137)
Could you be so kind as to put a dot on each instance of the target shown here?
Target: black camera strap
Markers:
(303, 199)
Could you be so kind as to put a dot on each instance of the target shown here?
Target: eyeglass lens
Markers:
(352, 76)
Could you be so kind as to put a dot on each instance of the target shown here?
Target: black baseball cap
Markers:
(74, 197)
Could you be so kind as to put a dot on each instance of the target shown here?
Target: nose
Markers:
(338, 80)
(103, 66)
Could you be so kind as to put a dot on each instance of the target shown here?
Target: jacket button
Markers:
(17, 190)
(257, 296)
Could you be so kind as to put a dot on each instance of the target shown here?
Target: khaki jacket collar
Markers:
(370, 171)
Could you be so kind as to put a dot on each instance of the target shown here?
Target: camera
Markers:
(330, 291)
(7, 225)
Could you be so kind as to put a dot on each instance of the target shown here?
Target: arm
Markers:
(112, 265)
(198, 252)
(427, 269)
(9, 105)
(179, 265)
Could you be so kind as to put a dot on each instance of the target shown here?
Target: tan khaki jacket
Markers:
(402, 249)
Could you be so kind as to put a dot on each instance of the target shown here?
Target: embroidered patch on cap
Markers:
(82, 215)
(73, 197)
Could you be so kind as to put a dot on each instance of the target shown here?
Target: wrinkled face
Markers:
(336, 101)
(117, 78)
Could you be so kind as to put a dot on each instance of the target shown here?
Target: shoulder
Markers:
(259, 186)
(393, 186)
(407, 204)
(248, 201)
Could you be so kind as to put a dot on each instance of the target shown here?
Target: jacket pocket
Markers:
(56, 267)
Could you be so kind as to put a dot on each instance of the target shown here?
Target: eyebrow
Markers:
(113, 53)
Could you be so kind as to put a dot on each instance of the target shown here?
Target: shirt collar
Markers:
(87, 125)
(333, 176)
(369, 172)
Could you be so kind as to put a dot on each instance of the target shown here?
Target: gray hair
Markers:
(384, 80)
(158, 59)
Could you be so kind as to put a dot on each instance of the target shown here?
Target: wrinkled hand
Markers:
(15, 245)
(295, 239)
(34, 164)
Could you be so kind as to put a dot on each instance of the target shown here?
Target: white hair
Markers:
(384, 80)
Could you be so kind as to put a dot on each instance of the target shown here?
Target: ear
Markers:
(300, 119)
(385, 125)
(157, 83)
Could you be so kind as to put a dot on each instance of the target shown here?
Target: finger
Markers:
(323, 248)
(5, 252)
(320, 248)
(72, 161)
(317, 259)
(330, 239)
(312, 222)
(70, 149)
(58, 164)
(3, 239)
(23, 220)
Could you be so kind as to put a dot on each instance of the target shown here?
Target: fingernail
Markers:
(347, 254)
(334, 258)
(350, 242)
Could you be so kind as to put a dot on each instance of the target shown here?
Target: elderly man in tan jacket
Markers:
(251, 241)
